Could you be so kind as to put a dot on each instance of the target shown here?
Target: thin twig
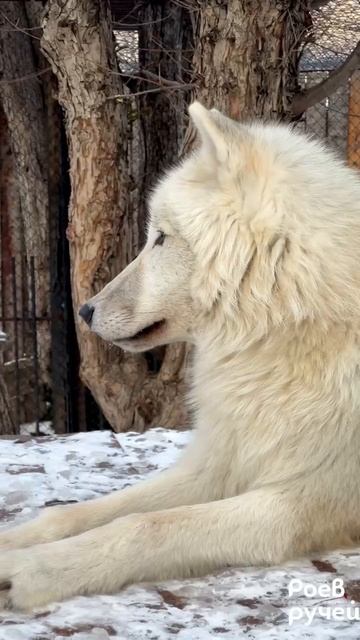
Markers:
(37, 28)
(128, 96)
(28, 76)
(137, 25)
(17, 28)
(148, 76)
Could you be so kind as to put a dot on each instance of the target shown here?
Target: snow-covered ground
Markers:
(249, 603)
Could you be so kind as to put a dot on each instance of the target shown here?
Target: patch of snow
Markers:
(251, 603)
(29, 429)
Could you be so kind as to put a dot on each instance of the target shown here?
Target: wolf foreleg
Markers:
(257, 527)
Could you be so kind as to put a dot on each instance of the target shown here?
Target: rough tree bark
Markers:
(246, 55)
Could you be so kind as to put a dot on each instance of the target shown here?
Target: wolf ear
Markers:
(212, 134)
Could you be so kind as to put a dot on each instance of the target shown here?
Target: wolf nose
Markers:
(86, 312)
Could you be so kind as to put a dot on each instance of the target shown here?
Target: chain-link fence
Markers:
(20, 354)
(39, 360)
(336, 118)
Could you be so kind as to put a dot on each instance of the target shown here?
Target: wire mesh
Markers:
(20, 322)
(336, 119)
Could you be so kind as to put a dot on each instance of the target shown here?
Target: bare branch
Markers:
(157, 79)
(27, 76)
(16, 27)
(174, 87)
(147, 76)
(136, 25)
(323, 89)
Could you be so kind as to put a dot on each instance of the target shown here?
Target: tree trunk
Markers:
(77, 40)
(12, 241)
(22, 101)
(246, 55)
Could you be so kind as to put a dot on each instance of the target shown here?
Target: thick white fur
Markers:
(260, 270)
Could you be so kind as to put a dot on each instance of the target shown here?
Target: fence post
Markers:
(7, 425)
(16, 343)
(35, 344)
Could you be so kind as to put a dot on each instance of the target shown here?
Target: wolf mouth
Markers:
(146, 331)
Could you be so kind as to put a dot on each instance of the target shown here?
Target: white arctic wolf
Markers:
(253, 256)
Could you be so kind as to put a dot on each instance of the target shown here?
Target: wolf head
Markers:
(257, 228)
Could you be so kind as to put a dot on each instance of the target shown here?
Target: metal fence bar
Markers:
(16, 343)
(24, 308)
(35, 343)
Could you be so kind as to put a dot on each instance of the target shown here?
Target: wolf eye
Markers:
(160, 239)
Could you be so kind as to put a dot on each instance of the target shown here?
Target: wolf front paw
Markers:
(97, 561)
(31, 578)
